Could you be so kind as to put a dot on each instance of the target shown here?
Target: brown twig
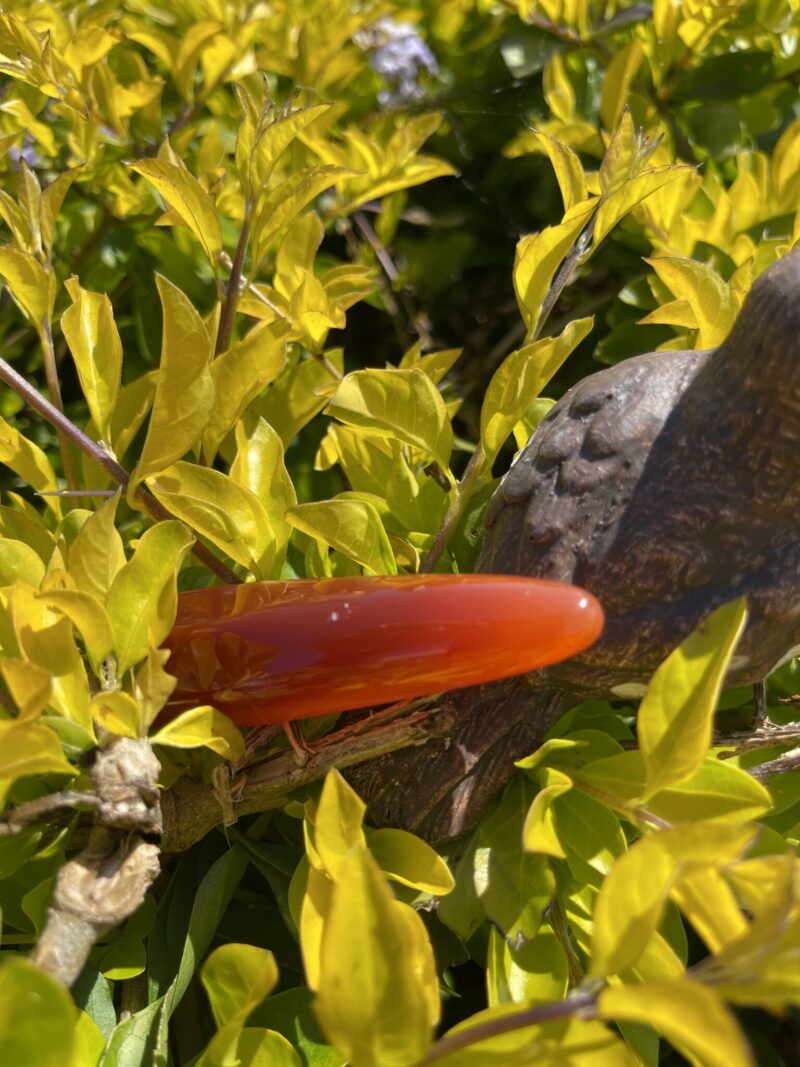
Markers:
(461, 498)
(54, 388)
(582, 1003)
(90, 448)
(191, 809)
(233, 287)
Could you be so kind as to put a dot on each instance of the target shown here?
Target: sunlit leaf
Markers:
(143, 597)
(202, 727)
(184, 390)
(676, 715)
(91, 333)
(186, 196)
(353, 527)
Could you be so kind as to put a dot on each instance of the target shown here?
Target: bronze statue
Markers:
(666, 485)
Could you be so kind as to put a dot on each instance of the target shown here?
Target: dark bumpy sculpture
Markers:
(666, 485)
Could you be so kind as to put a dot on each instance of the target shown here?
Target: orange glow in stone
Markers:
(267, 652)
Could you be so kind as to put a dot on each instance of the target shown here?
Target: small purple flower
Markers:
(27, 152)
(398, 54)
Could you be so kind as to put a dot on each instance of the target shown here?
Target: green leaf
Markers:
(353, 527)
(91, 333)
(202, 727)
(291, 1014)
(257, 165)
(409, 860)
(724, 77)
(518, 381)
(124, 958)
(188, 199)
(184, 390)
(378, 995)
(514, 886)
(143, 597)
(31, 285)
(219, 508)
(239, 375)
(153, 685)
(692, 1017)
(718, 790)
(401, 404)
(676, 716)
(38, 1018)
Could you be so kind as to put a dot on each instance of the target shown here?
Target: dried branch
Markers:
(191, 809)
(106, 882)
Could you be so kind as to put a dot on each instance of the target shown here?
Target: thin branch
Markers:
(54, 388)
(16, 819)
(462, 496)
(581, 1003)
(117, 472)
(191, 809)
(233, 289)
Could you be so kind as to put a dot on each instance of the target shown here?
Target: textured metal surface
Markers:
(665, 485)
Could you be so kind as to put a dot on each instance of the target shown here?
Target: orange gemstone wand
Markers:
(269, 652)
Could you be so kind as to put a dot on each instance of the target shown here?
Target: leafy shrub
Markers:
(220, 219)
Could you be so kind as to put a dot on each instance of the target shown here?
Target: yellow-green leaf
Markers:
(617, 203)
(217, 507)
(708, 296)
(538, 257)
(259, 466)
(118, 713)
(239, 376)
(568, 170)
(97, 554)
(30, 748)
(692, 1017)
(333, 826)
(19, 562)
(29, 684)
(620, 72)
(377, 977)
(153, 685)
(410, 861)
(185, 389)
(403, 404)
(202, 727)
(91, 333)
(676, 716)
(632, 896)
(31, 285)
(45, 638)
(353, 527)
(518, 381)
(278, 207)
(188, 199)
(28, 461)
(143, 596)
(90, 619)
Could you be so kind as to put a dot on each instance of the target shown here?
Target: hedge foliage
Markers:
(241, 242)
